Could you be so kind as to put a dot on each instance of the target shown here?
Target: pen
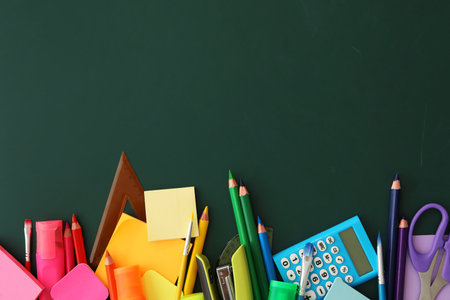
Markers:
(381, 288)
(308, 252)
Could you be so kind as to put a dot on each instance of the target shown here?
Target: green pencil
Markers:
(254, 240)
(240, 223)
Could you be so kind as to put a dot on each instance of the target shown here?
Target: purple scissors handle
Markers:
(422, 261)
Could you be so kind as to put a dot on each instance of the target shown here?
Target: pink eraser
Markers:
(15, 281)
(79, 283)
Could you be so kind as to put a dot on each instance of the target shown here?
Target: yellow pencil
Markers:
(184, 261)
(197, 249)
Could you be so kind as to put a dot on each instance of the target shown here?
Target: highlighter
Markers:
(49, 255)
(128, 283)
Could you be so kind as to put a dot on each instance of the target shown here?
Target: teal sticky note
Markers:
(340, 290)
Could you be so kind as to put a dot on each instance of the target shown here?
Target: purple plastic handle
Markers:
(422, 261)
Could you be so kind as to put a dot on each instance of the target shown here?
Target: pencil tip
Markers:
(261, 228)
(67, 231)
(241, 182)
(74, 219)
(379, 239)
(396, 182)
(403, 223)
(242, 191)
(107, 253)
(230, 176)
(205, 215)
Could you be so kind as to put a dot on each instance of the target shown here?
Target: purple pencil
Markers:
(401, 258)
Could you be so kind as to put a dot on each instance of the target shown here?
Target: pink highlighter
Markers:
(49, 255)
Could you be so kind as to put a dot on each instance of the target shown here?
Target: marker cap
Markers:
(128, 282)
(48, 238)
(282, 290)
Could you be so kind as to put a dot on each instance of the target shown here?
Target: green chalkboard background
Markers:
(314, 103)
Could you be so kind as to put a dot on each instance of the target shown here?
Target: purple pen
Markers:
(401, 258)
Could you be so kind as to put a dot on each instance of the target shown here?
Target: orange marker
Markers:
(78, 241)
(110, 266)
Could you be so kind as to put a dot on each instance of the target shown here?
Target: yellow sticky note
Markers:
(156, 287)
(168, 213)
(129, 246)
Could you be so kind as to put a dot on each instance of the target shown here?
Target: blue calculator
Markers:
(342, 251)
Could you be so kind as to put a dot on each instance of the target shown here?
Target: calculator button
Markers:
(300, 253)
(308, 284)
(330, 240)
(291, 275)
(321, 291)
(321, 245)
(333, 270)
(339, 259)
(334, 250)
(315, 250)
(318, 262)
(328, 285)
(315, 278)
(310, 295)
(294, 258)
(327, 258)
(324, 274)
(344, 269)
(285, 263)
(349, 278)
(298, 270)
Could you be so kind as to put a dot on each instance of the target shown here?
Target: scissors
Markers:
(424, 263)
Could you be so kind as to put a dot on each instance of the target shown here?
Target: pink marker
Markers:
(68, 249)
(49, 255)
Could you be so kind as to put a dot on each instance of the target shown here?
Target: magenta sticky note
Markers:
(412, 280)
(15, 281)
(79, 284)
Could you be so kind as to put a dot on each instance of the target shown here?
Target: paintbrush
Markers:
(27, 230)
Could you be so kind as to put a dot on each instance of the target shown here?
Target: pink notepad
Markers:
(15, 281)
(79, 284)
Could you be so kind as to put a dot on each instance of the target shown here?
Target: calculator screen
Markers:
(356, 252)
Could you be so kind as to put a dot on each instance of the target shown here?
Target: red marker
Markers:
(78, 241)
(68, 249)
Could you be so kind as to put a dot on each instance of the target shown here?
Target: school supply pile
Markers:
(151, 256)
